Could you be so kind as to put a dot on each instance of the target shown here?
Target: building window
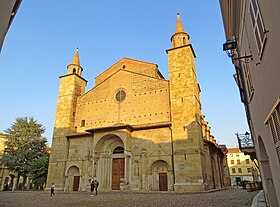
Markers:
(238, 161)
(237, 154)
(83, 123)
(233, 170)
(231, 155)
(278, 152)
(248, 79)
(232, 162)
(239, 80)
(258, 26)
(247, 161)
(248, 170)
(274, 123)
(118, 150)
(239, 170)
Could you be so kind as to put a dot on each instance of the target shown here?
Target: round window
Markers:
(120, 95)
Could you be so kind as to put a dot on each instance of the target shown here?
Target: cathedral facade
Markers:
(135, 130)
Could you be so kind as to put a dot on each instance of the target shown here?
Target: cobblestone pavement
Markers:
(231, 197)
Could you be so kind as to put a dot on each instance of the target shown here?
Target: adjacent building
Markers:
(135, 130)
(241, 167)
(8, 10)
(4, 172)
(253, 42)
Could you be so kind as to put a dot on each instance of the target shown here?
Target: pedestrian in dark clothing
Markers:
(52, 189)
(92, 186)
(96, 184)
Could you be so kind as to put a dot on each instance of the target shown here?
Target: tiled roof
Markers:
(233, 150)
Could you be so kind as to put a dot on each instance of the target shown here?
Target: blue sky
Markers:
(44, 35)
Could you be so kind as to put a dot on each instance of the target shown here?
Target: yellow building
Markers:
(4, 172)
(135, 130)
(2, 142)
(241, 167)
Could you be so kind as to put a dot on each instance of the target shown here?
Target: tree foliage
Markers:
(24, 144)
(39, 170)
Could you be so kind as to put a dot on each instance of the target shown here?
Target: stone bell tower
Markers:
(72, 85)
(185, 113)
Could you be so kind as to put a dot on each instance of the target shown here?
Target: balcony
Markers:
(246, 144)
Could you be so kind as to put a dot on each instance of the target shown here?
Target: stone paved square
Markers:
(231, 197)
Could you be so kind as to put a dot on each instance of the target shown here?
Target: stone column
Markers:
(127, 175)
(143, 170)
(170, 181)
(15, 183)
(99, 173)
(108, 172)
(217, 171)
(28, 183)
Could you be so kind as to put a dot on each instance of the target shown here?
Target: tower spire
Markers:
(179, 26)
(180, 37)
(76, 59)
(75, 66)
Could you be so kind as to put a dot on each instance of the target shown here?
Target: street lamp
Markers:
(230, 47)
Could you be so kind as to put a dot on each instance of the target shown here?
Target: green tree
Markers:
(24, 144)
(39, 170)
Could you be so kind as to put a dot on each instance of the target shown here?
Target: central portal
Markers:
(117, 172)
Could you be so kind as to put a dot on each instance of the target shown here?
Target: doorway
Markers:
(237, 181)
(117, 172)
(76, 183)
(163, 181)
(72, 181)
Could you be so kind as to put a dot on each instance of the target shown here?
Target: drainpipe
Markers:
(172, 157)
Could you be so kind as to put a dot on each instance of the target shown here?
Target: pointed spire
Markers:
(180, 37)
(179, 26)
(75, 66)
(76, 59)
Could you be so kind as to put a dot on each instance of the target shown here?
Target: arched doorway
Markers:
(111, 162)
(160, 175)
(267, 175)
(73, 179)
(117, 168)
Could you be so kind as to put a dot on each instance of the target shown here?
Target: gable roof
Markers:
(132, 65)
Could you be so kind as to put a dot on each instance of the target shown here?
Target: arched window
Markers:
(184, 40)
(118, 150)
(74, 70)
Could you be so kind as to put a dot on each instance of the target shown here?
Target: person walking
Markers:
(92, 186)
(96, 184)
(52, 189)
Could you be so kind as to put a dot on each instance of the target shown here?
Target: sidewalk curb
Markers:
(259, 200)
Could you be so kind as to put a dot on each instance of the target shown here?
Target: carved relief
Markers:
(136, 168)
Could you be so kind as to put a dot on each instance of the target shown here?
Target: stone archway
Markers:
(112, 162)
(73, 179)
(160, 176)
(267, 175)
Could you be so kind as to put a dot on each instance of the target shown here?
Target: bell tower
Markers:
(185, 112)
(72, 85)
